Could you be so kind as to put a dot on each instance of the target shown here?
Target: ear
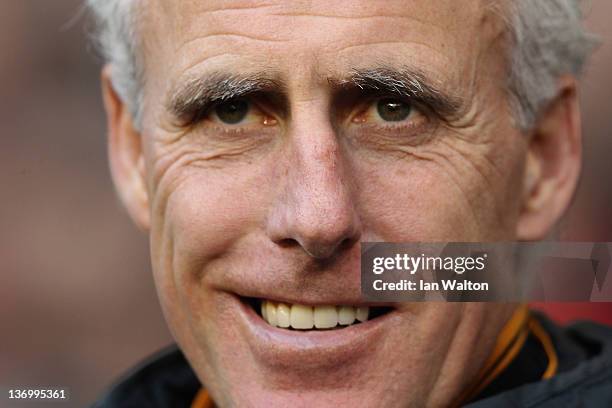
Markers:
(553, 164)
(125, 154)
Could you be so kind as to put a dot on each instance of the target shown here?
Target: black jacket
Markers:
(584, 376)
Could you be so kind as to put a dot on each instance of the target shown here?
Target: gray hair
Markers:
(117, 40)
(547, 41)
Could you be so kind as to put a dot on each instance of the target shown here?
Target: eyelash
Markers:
(423, 114)
(207, 112)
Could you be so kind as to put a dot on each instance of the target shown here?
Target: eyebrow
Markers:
(198, 94)
(407, 83)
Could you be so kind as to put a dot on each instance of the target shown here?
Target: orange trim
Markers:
(202, 400)
(505, 361)
(514, 326)
(508, 344)
(508, 335)
(553, 361)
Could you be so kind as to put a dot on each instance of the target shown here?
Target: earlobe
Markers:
(125, 154)
(553, 164)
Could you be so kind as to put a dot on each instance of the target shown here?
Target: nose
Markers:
(315, 209)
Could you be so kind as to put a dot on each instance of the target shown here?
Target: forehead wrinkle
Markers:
(367, 10)
(349, 16)
(292, 10)
(412, 42)
(218, 20)
(235, 7)
(224, 33)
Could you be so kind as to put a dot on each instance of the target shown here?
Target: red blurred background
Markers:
(78, 306)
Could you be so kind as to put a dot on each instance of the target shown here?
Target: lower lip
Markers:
(284, 348)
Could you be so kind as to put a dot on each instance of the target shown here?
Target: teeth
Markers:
(283, 315)
(325, 317)
(303, 317)
(346, 315)
(362, 313)
(271, 313)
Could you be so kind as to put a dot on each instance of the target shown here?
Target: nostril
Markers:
(348, 243)
(317, 249)
(287, 243)
(320, 251)
(324, 240)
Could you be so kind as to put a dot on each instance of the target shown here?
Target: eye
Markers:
(233, 111)
(390, 111)
(393, 109)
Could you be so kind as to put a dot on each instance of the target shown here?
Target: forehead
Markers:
(313, 39)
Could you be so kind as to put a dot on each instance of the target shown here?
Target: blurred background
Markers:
(77, 301)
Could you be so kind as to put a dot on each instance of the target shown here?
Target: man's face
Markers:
(275, 141)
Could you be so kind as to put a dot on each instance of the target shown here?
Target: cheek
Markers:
(439, 195)
(198, 215)
(415, 204)
(206, 214)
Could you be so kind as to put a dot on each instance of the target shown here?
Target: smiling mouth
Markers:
(320, 317)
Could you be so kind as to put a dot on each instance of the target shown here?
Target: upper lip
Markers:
(311, 299)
